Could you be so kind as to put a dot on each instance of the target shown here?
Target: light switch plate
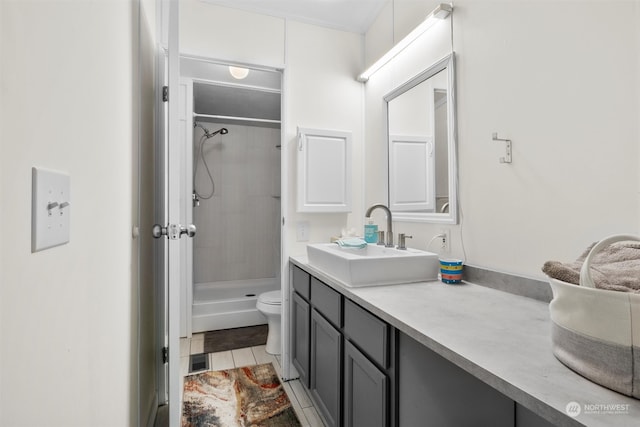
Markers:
(50, 208)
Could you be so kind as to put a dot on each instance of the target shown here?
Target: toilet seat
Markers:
(270, 298)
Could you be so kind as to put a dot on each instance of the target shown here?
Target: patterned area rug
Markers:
(243, 397)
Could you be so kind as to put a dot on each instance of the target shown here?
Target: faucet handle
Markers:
(401, 241)
(381, 237)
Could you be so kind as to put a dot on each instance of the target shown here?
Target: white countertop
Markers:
(500, 338)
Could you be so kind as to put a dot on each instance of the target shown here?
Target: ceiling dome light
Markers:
(238, 72)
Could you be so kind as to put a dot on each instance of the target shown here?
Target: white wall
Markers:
(563, 85)
(229, 34)
(320, 90)
(67, 313)
(321, 93)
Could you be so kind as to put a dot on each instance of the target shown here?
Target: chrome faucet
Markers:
(389, 243)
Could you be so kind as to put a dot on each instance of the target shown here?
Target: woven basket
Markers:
(596, 332)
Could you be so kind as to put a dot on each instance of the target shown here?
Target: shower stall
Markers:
(233, 190)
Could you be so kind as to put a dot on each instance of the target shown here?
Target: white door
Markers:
(170, 228)
(161, 217)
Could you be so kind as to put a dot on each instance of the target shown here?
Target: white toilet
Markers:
(270, 304)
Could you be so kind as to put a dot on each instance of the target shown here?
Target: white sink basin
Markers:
(373, 265)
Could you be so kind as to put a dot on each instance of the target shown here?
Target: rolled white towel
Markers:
(352, 242)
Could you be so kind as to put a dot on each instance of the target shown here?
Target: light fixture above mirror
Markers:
(441, 12)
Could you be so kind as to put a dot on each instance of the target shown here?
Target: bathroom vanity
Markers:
(342, 353)
(427, 353)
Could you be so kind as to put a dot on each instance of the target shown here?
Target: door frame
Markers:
(169, 54)
(186, 84)
(186, 187)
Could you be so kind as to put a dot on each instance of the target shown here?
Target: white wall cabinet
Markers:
(324, 170)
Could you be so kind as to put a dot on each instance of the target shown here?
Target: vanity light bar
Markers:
(442, 11)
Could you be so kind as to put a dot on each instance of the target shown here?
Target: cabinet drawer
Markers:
(301, 282)
(326, 301)
(368, 332)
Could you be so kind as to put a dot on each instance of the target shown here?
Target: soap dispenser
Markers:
(370, 232)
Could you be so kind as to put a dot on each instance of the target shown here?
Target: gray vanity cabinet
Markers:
(363, 372)
(433, 391)
(350, 364)
(526, 418)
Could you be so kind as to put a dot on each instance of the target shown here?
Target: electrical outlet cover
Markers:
(50, 208)
(446, 240)
(302, 231)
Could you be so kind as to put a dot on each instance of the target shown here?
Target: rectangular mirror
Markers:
(421, 138)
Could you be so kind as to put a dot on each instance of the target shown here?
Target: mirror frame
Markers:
(451, 217)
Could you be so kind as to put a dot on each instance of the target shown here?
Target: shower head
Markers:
(221, 131)
(208, 133)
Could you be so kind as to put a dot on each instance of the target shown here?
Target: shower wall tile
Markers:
(211, 149)
(203, 260)
(239, 228)
(260, 177)
(265, 231)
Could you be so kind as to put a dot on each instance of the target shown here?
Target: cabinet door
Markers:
(300, 327)
(326, 355)
(324, 170)
(365, 391)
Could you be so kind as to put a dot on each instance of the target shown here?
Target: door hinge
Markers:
(165, 93)
(165, 354)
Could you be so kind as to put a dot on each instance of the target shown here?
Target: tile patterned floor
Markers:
(300, 399)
